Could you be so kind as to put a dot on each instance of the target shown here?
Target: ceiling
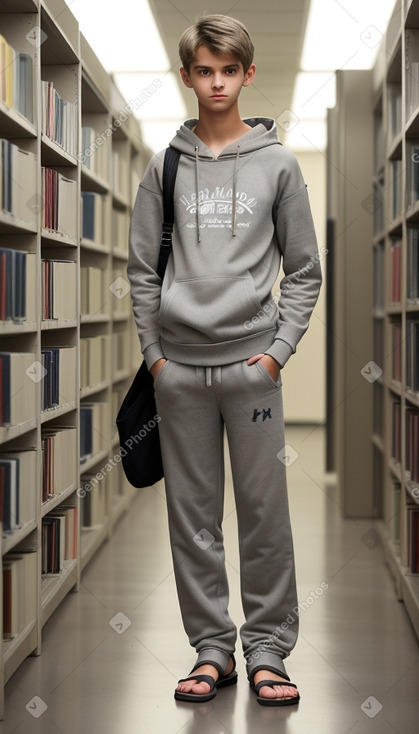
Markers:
(277, 29)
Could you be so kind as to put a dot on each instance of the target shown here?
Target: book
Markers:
(59, 289)
(396, 272)
(412, 265)
(93, 216)
(412, 443)
(59, 196)
(396, 431)
(59, 460)
(16, 79)
(412, 353)
(396, 346)
(17, 397)
(59, 117)
(18, 181)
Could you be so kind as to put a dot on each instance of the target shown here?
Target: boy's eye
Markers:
(230, 71)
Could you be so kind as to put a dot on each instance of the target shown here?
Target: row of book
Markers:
(379, 143)
(93, 360)
(396, 495)
(18, 375)
(378, 274)
(17, 284)
(59, 203)
(92, 291)
(396, 351)
(58, 382)
(16, 79)
(59, 289)
(94, 429)
(412, 264)
(412, 354)
(17, 472)
(397, 188)
(396, 431)
(93, 209)
(95, 149)
(17, 182)
(412, 82)
(396, 272)
(412, 443)
(412, 178)
(378, 205)
(394, 112)
(93, 504)
(59, 118)
(412, 439)
(59, 538)
(59, 461)
(20, 573)
(119, 174)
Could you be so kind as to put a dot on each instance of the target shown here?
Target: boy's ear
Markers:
(185, 77)
(250, 75)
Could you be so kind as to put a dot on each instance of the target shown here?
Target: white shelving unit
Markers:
(47, 32)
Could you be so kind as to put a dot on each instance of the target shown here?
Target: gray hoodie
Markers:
(237, 218)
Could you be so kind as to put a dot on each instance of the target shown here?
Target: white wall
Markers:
(303, 376)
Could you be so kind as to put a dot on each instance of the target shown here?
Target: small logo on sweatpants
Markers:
(264, 413)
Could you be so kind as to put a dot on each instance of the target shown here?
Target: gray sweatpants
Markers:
(194, 404)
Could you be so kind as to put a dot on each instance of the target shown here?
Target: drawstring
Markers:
(208, 381)
(234, 215)
(198, 223)
(234, 195)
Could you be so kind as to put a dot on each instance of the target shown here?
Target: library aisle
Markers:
(112, 652)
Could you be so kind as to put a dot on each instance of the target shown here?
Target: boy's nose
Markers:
(218, 81)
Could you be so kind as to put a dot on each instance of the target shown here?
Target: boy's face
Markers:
(216, 80)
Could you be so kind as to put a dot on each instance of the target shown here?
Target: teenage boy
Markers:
(215, 341)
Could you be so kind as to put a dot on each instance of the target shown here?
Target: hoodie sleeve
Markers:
(144, 248)
(297, 242)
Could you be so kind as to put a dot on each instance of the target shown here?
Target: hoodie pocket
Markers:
(201, 310)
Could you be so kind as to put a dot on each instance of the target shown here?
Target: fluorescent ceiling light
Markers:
(344, 34)
(122, 33)
(164, 100)
(314, 92)
(158, 133)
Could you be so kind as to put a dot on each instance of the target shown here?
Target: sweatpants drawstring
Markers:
(208, 381)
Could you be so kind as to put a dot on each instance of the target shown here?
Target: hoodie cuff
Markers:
(281, 351)
(152, 353)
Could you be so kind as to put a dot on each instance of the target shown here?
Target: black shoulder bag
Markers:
(137, 419)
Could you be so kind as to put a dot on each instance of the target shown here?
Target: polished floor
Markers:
(112, 652)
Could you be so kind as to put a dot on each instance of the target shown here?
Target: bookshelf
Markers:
(67, 136)
(350, 227)
(394, 439)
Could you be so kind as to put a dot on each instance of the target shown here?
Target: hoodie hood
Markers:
(262, 134)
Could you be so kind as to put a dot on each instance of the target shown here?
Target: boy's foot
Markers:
(189, 686)
(286, 692)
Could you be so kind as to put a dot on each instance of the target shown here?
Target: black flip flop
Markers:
(222, 682)
(275, 701)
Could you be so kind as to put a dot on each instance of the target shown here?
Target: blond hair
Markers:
(222, 35)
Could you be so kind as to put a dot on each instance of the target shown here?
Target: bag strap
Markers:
(171, 160)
